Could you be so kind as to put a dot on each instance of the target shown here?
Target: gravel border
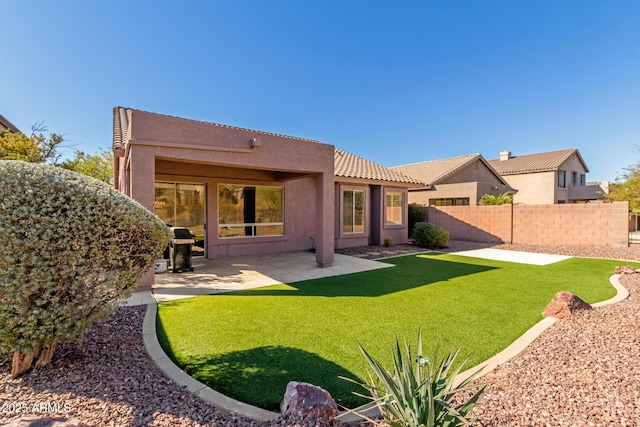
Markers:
(583, 371)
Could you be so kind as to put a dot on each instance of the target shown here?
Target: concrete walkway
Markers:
(513, 256)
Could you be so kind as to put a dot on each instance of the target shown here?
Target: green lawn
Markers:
(250, 344)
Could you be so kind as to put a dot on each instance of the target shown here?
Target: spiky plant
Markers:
(419, 393)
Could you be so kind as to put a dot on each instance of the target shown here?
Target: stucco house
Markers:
(244, 192)
(550, 177)
(6, 125)
(456, 181)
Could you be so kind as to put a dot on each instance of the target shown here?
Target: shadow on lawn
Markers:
(408, 273)
(259, 376)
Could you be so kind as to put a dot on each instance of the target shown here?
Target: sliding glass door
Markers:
(183, 205)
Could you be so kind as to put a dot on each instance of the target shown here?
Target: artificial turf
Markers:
(250, 344)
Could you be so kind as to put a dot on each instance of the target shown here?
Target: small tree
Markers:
(98, 166)
(36, 148)
(500, 199)
(71, 248)
(627, 188)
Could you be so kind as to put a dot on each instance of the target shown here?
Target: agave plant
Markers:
(419, 393)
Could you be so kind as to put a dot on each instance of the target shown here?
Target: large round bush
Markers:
(429, 235)
(70, 248)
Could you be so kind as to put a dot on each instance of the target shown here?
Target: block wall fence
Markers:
(602, 224)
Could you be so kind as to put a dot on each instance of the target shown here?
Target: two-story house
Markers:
(456, 181)
(551, 177)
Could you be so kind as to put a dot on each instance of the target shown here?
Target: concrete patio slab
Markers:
(513, 256)
(247, 272)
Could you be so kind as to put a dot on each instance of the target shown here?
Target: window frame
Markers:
(394, 192)
(449, 201)
(562, 178)
(250, 225)
(343, 206)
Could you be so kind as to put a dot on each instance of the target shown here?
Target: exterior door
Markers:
(183, 205)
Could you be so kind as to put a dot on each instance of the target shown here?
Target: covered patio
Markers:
(212, 276)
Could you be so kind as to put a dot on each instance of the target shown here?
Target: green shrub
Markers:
(70, 248)
(416, 214)
(419, 392)
(428, 235)
(388, 242)
(500, 199)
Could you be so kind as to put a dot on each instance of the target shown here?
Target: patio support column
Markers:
(143, 175)
(324, 238)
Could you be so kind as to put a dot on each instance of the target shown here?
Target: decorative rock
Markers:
(308, 401)
(625, 269)
(564, 304)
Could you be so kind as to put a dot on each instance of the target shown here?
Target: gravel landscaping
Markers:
(583, 371)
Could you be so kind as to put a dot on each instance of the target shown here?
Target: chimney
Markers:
(505, 155)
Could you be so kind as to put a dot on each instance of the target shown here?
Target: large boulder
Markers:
(564, 304)
(304, 400)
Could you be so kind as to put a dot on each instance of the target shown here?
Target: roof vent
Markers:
(505, 155)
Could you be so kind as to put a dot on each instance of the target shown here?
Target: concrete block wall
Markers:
(602, 224)
(476, 223)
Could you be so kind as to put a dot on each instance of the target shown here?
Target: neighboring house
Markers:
(6, 125)
(244, 192)
(548, 178)
(457, 181)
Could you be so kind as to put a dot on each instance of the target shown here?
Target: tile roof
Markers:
(539, 162)
(7, 124)
(348, 165)
(120, 127)
(121, 124)
(435, 171)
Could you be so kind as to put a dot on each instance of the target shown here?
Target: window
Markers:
(394, 208)
(353, 211)
(583, 179)
(562, 177)
(458, 201)
(574, 178)
(250, 211)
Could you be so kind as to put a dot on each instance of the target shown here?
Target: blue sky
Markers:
(394, 82)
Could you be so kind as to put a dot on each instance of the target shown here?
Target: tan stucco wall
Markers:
(472, 182)
(472, 190)
(534, 188)
(475, 172)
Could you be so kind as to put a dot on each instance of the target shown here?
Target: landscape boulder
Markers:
(625, 269)
(308, 401)
(564, 304)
